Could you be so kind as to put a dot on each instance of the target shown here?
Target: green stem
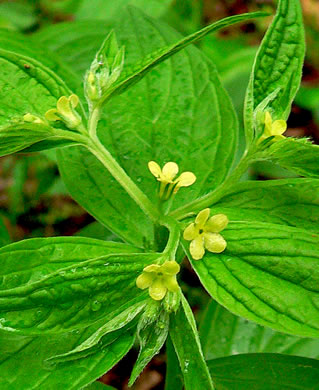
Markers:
(105, 157)
(174, 235)
(71, 135)
(93, 121)
(213, 197)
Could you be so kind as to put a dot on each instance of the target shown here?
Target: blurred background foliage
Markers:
(33, 200)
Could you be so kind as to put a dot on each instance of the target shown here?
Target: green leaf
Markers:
(26, 87)
(292, 202)
(268, 274)
(174, 376)
(21, 16)
(90, 344)
(75, 42)
(52, 285)
(278, 65)
(98, 231)
(186, 342)
(60, 7)
(308, 97)
(23, 136)
(30, 47)
(137, 71)
(4, 234)
(297, 155)
(152, 331)
(224, 334)
(264, 372)
(151, 122)
(111, 9)
(23, 359)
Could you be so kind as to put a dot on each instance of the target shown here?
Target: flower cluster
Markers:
(204, 234)
(166, 176)
(159, 279)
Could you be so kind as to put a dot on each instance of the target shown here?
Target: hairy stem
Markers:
(105, 157)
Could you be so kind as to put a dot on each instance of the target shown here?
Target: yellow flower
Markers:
(204, 234)
(273, 129)
(65, 111)
(167, 176)
(159, 278)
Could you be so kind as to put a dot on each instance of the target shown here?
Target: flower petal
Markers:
(170, 170)
(196, 248)
(74, 100)
(278, 127)
(152, 268)
(190, 233)
(217, 223)
(63, 106)
(157, 290)
(171, 283)
(186, 179)
(144, 280)
(268, 124)
(202, 217)
(155, 169)
(170, 268)
(51, 116)
(214, 242)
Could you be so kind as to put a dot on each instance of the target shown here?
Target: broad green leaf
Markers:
(297, 155)
(20, 15)
(137, 71)
(174, 376)
(151, 121)
(74, 42)
(4, 234)
(52, 285)
(308, 97)
(109, 10)
(61, 6)
(224, 334)
(98, 231)
(21, 136)
(26, 86)
(91, 343)
(278, 65)
(151, 334)
(264, 372)
(30, 47)
(292, 202)
(186, 342)
(23, 360)
(268, 274)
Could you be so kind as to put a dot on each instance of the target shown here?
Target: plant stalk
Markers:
(105, 157)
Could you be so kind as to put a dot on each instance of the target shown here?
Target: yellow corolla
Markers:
(65, 111)
(273, 129)
(204, 234)
(159, 279)
(166, 177)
